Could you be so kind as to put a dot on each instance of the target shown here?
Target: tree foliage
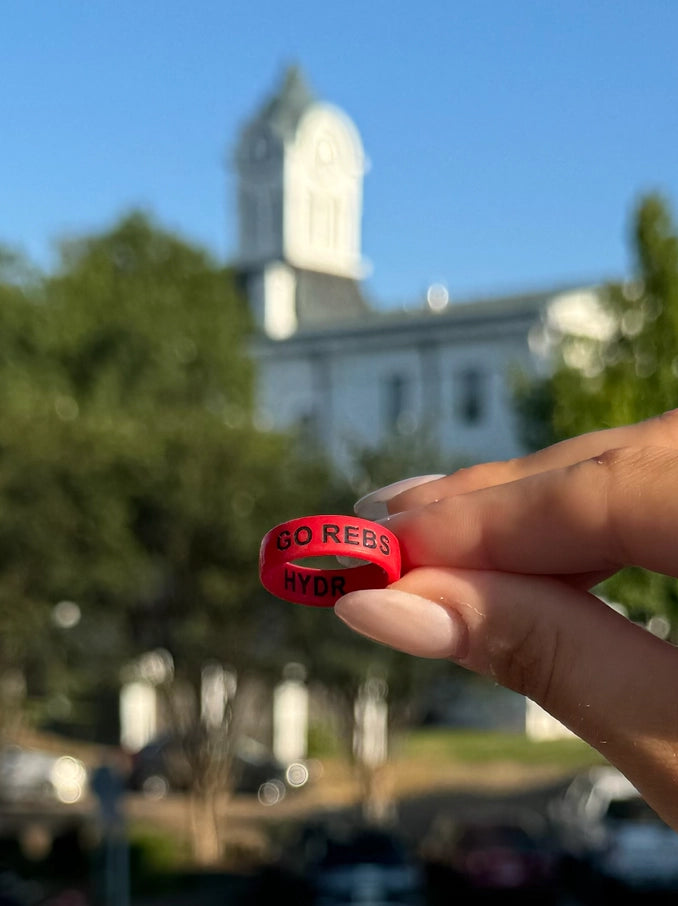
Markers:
(622, 374)
(136, 482)
(133, 477)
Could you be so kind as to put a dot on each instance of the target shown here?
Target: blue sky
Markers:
(509, 140)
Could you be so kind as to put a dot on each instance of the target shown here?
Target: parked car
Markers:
(166, 765)
(503, 854)
(31, 775)
(370, 866)
(325, 866)
(610, 829)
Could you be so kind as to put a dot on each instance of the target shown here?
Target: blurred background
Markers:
(256, 260)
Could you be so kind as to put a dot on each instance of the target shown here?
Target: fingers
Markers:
(552, 643)
(661, 431)
(618, 509)
(495, 557)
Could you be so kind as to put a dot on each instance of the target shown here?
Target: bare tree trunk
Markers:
(376, 794)
(212, 774)
(12, 700)
(370, 750)
(205, 835)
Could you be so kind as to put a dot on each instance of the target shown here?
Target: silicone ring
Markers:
(322, 536)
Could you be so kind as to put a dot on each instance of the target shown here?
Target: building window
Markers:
(471, 396)
(309, 429)
(395, 402)
(319, 220)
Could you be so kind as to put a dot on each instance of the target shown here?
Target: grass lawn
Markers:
(475, 747)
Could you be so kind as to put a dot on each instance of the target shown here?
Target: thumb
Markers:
(611, 682)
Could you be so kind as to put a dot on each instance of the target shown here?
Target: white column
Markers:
(540, 725)
(217, 687)
(370, 735)
(138, 715)
(290, 717)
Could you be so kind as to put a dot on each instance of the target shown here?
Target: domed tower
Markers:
(300, 167)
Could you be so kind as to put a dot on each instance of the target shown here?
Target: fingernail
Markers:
(374, 504)
(404, 621)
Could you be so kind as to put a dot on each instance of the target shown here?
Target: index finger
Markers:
(617, 509)
(659, 431)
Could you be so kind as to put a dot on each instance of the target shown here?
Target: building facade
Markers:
(343, 372)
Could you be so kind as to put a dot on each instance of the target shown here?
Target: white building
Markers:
(342, 370)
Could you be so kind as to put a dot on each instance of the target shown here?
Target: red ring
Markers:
(321, 536)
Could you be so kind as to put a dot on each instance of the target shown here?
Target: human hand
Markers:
(496, 562)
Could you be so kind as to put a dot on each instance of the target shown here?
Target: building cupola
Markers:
(300, 167)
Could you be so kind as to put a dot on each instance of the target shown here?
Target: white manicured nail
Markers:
(374, 505)
(404, 621)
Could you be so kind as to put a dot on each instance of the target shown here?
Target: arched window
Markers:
(471, 395)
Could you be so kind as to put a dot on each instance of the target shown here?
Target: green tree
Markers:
(24, 375)
(622, 374)
(134, 480)
(339, 660)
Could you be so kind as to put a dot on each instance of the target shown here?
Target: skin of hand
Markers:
(497, 560)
